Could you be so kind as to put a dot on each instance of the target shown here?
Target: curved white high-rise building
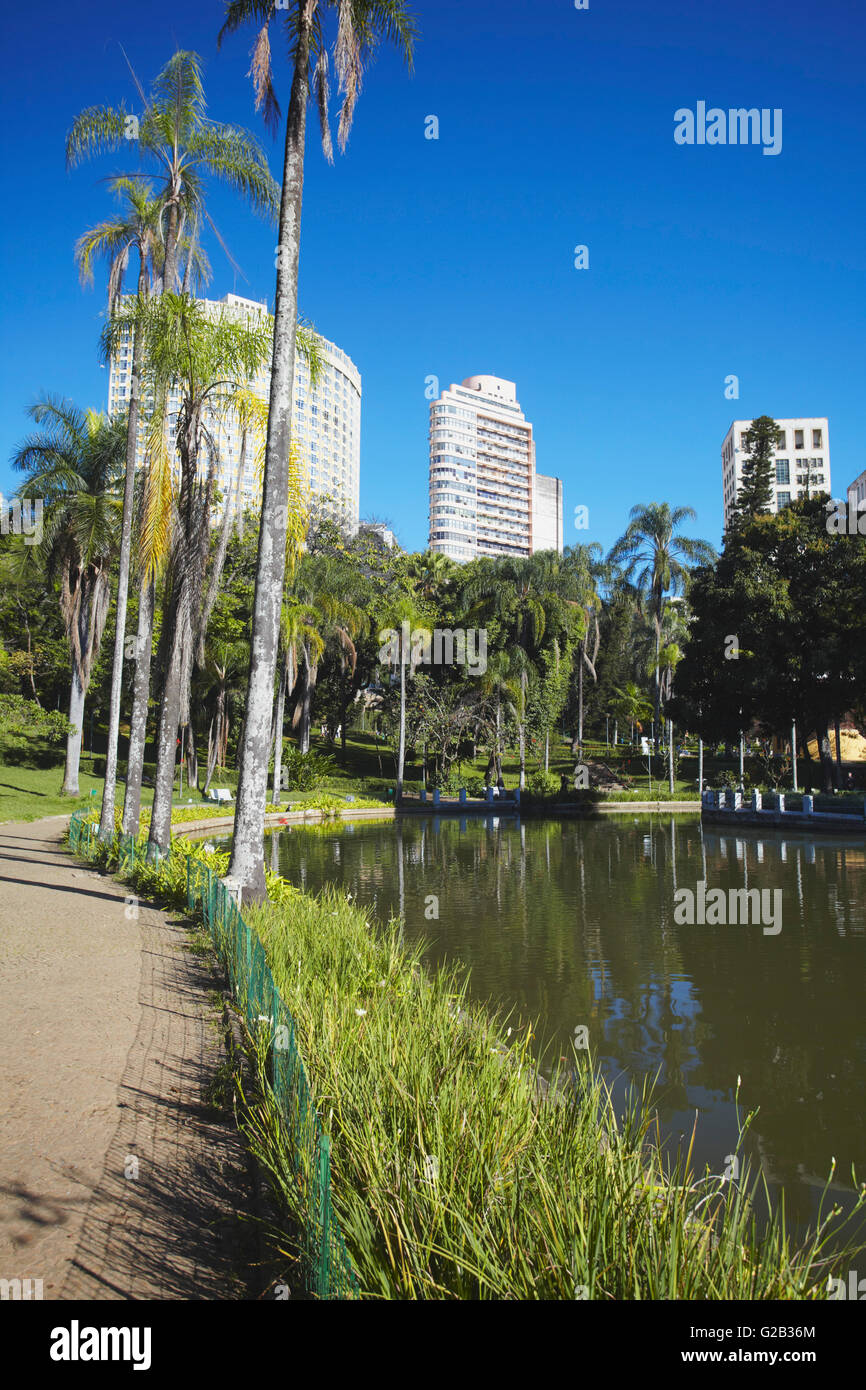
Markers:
(326, 421)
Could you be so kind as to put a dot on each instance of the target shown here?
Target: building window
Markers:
(798, 439)
(782, 437)
(784, 499)
(783, 471)
(816, 440)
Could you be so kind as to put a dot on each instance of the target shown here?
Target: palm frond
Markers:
(96, 130)
(155, 526)
(237, 159)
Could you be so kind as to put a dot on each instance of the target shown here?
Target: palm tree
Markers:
(430, 573)
(631, 705)
(225, 665)
(297, 630)
(134, 229)
(360, 24)
(207, 360)
(497, 684)
(517, 592)
(74, 463)
(329, 611)
(656, 560)
(402, 616)
(176, 136)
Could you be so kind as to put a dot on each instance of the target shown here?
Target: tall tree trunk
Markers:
(138, 719)
(191, 758)
(169, 269)
(657, 688)
(826, 756)
(306, 710)
(522, 782)
(580, 700)
(82, 619)
(159, 839)
(278, 736)
(73, 738)
(247, 861)
(401, 750)
(838, 732)
(109, 790)
(212, 750)
(671, 756)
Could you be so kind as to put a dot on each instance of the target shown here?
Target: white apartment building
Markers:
(384, 533)
(326, 421)
(801, 462)
(485, 495)
(547, 514)
(857, 494)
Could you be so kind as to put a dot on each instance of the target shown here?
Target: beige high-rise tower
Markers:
(485, 495)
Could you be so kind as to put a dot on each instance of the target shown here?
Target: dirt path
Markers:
(107, 1046)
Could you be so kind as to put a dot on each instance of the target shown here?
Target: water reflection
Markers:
(572, 924)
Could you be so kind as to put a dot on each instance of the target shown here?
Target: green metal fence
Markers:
(328, 1269)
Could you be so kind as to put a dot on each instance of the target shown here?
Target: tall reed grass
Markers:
(455, 1173)
(457, 1176)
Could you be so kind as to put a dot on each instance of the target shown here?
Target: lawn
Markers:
(29, 793)
(30, 789)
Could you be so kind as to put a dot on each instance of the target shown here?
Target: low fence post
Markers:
(323, 1280)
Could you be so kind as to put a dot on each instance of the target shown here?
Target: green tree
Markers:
(656, 559)
(756, 491)
(360, 25)
(136, 228)
(73, 463)
(175, 135)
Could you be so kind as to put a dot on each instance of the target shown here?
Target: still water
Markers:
(571, 924)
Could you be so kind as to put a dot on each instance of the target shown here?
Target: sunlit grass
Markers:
(454, 1177)
(455, 1174)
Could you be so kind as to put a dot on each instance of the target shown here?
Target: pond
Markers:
(580, 925)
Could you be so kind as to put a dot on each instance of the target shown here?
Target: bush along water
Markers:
(457, 1173)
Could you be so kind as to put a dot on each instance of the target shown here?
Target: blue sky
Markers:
(456, 256)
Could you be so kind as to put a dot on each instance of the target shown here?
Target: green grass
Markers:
(453, 1180)
(28, 793)
(452, 1176)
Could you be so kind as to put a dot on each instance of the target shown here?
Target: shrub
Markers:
(307, 771)
(543, 784)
